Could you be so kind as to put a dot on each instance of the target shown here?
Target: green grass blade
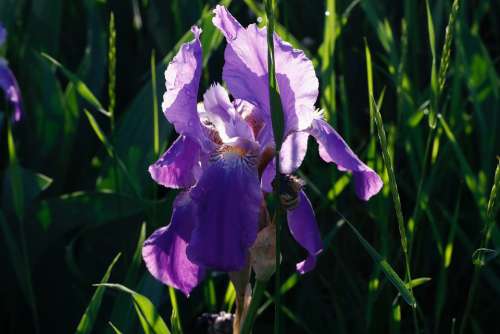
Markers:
(121, 309)
(112, 70)
(156, 127)
(110, 149)
(229, 297)
(88, 319)
(82, 89)
(175, 320)
(434, 77)
(114, 328)
(327, 51)
(444, 63)
(391, 275)
(150, 319)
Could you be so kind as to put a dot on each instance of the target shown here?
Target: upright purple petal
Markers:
(164, 252)
(228, 200)
(223, 115)
(293, 151)
(303, 227)
(8, 84)
(245, 71)
(332, 148)
(179, 166)
(182, 80)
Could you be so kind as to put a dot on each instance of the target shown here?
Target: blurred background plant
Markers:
(75, 190)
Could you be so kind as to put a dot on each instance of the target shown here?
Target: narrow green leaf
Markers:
(113, 327)
(175, 320)
(150, 319)
(110, 149)
(481, 256)
(391, 275)
(445, 54)
(82, 89)
(120, 314)
(229, 297)
(89, 317)
(418, 281)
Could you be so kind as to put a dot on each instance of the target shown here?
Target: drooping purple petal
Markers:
(303, 227)
(164, 252)
(268, 177)
(182, 80)
(8, 84)
(228, 200)
(179, 166)
(245, 71)
(332, 148)
(293, 151)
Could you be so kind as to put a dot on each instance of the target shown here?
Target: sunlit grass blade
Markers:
(327, 54)
(434, 79)
(229, 297)
(82, 89)
(444, 63)
(391, 275)
(121, 309)
(114, 328)
(110, 149)
(112, 70)
(151, 321)
(88, 319)
(175, 320)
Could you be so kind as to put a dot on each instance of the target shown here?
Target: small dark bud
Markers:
(288, 188)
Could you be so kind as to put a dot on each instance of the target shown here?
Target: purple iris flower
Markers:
(222, 159)
(8, 82)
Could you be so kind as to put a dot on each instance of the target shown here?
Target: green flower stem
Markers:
(258, 292)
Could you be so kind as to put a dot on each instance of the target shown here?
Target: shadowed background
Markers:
(84, 199)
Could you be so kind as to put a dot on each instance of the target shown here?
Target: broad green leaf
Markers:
(88, 319)
(391, 275)
(150, 319)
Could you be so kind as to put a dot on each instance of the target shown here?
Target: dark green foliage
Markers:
(75, 190)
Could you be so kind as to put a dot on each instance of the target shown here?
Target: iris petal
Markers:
(182, 80)
(303, 227)
(179, 166)
(245, 71)
(223, 115)
(164, 252)
(293, 151)
(228, 200)
(332, 148)
(8, 84)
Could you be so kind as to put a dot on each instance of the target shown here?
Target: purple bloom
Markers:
(222, 158)
(8, 82)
